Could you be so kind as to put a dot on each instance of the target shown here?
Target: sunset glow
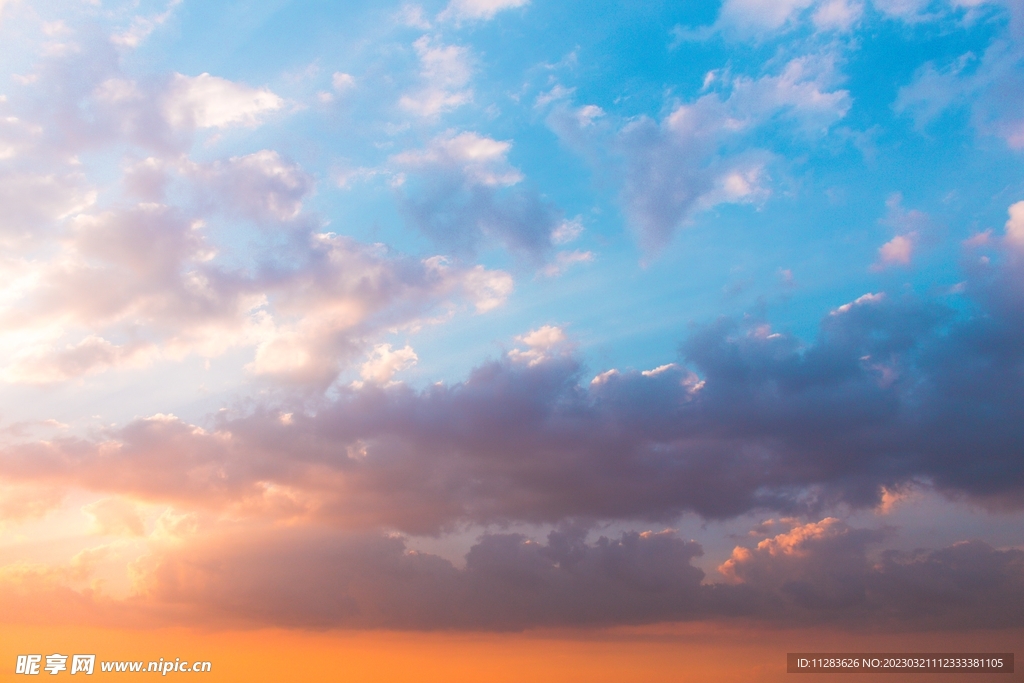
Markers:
(509, 340)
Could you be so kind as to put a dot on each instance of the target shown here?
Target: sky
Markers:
(501, 336)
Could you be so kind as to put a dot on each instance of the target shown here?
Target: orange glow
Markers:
(693, 652)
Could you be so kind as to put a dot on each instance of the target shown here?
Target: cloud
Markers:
(822, 571)
(151, 273)
(445, 71)
(311, 577)
(462, 192)
(260, 186)
(34, 202)
(752, 16)
(19, 503)
(509, 582)
(206, 101)
(691, 160)
(988, 87)
(893, 392)
(477, 10)
(342, 82)
(837, 14)
(1015, 226)
(541, 345)
(384, 362)
(114, 517)
(143, 283)
(913, 228)
(896, 251)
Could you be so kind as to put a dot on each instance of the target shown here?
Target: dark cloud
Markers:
(825, 571)
(894, 390)
(816, 573)
(309, 578)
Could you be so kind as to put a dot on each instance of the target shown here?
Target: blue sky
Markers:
(460, 271)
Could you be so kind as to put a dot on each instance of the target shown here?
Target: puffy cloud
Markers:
(206, 101)
(481, 160)
(143, 283)
(509, 581)
(309, 576)
(894, 390)
(896, 251)
(462, 192)
(837, 14)
(445, 71)
(341, 81)
(670, 170)
(145, 277)
(912, 225)
(1015, 226)
(260, 186)
(823, 571)
(384, 362)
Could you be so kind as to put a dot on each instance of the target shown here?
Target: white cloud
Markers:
(897, 251)
(488, 289)
(342, 81)
(384, 362)
(477, 10)
(413, 16)
(1015, 226)
(445, 71)
(143, 26)
(206, 101)
(838, 14)
(568, 231)
(565, 259)
(542, 343)
(754, 16)
(33, 202)
(482, 160)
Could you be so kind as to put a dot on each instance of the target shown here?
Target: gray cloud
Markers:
(815, 573)
(894, 390)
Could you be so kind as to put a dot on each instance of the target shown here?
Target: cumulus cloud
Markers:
(384, 362)
(1015, 226)
(152, 274)
(895, 390)
(308, 576)
(690, 161)
(206, 101)
(823, 571)
(152, 271)
(509, 581)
